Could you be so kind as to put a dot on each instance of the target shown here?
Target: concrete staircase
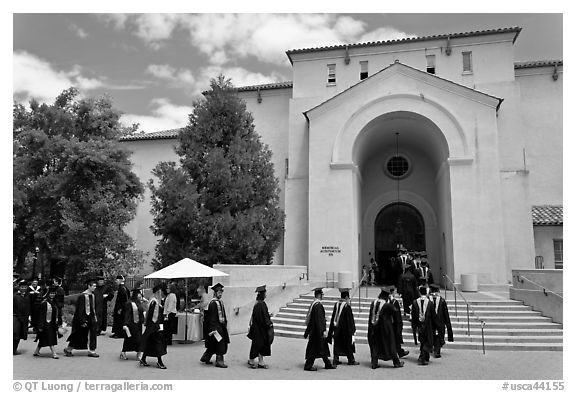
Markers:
(509, 325)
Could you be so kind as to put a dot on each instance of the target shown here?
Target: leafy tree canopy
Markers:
(221, 204)
(74, 189)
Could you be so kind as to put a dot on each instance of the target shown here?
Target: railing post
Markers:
(468, 317)
(359, 303)
(482, 326)
(455, 304)
(445, 285)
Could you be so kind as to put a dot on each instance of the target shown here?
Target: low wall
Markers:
(256, 275)
(548, 303)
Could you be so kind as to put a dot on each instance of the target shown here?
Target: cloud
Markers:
(166, 72)
(36, 78)
(165, 116)
(78, 30)
(224, 38)
(239, 76)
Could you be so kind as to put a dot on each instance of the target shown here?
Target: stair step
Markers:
(481, 313)
(489, 346)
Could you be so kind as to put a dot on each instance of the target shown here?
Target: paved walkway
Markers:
(286, 362)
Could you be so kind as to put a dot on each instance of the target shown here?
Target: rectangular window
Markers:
(558, 253)
(363, 70)
(467, 62)
(431, 64)
(332, 74)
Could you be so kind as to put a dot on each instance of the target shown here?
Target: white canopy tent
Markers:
(186, 268)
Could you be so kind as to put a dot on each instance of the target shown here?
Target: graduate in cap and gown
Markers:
(133, 321)
(102, 294)
(20, 314)
(153, 343)
(424, 274)
(381, 333)
(442, 321)
(59, 299)
(122, 296)
(398, 322)
(218, 339)
(47, 324)
(261, 331)
(423, 324)
(407, 287)
(343, 329)
(84, 323)
(315, 332)
(35, 294)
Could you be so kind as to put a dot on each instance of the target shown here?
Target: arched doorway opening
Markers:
(396, 224)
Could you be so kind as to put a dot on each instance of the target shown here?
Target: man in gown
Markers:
(217, 340)
(20, 314)
(381, 333)
(261, 331)
(342, 329)
(84, 323)
(442, 321)
(423, 324)
(102, 294)
(122, 296)
(317, 346)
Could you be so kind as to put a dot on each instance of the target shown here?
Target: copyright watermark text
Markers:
(83, 386)
(539, 385)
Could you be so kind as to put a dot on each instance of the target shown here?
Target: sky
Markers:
(155, 65)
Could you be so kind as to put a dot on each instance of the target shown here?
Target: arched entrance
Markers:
(396, 224)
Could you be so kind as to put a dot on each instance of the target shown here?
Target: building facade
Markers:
(442, 144)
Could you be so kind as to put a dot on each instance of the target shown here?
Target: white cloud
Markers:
(165, 116)
(225, 37)
(79, 31)
(177, 76)
(36, 78)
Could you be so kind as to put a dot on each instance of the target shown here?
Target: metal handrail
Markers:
(468, 309)
(359, 293)
(545, 290)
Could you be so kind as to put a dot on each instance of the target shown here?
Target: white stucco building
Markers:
(477, 182)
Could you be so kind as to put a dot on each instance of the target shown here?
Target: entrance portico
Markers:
(441, 128)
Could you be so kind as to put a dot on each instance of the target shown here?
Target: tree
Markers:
(74, 191)
(221, 205)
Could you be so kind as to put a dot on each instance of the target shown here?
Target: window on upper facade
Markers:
(431, 64)
(363, 70)
(467, 62)
(558, 253)
(331, 74)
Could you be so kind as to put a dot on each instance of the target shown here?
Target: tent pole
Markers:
(186, 312)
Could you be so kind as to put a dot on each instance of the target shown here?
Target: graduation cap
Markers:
(52, 289)
(90, 281)
(344, 293)
(318, 290)
(16, 275)
(422, 289)
(22, 283)
(261, 288)
(434, 288)
(159, 287)
(120, 277)
(217, 287)
(57, 280)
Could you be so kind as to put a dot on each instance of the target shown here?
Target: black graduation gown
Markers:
(103, 295)
(78, 338)
(317, 346)
(47, 331)
(214, 324)
(442, 321)
(381, 335)
(398, 324)
(133, 343)
(122, 297)
(35, 296)
(342, 334)
(425, 278)
(20, 313)
(153, 343)
(424, 329)
(259, 330)
(407, 287)
(59, 301)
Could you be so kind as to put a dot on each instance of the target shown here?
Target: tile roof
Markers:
(547, 215)
(404, 40)
(166, 134)
(537, 63)
(267, 86)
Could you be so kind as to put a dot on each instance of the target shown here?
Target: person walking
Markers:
(442, 321)
(381, 334)
(35, 296)
(315, 332)
(218, 339)
(84, 323)
(122, 296)
(170, 311)
(47, 324)
(153, 343)
(423, 325)
(261, 331)
(395, 299)
(133, 321)
(102, 295)
(20, 314)
(59, 300)
(342, 329)
(407, 287)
